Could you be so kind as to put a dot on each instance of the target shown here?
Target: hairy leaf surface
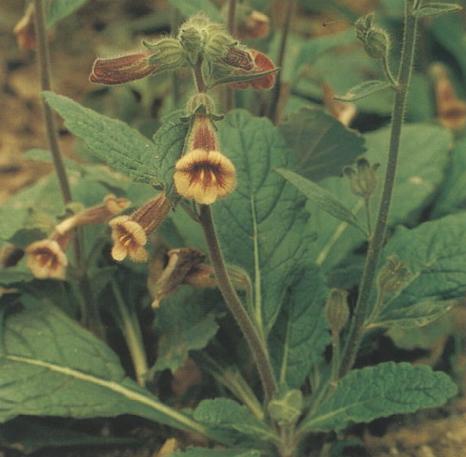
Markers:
(322, 145)
(435, 253)
(262, 223)
(380, 391)
(52, 367)
(301, 332)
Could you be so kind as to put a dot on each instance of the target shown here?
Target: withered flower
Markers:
(204, 176)
(123, 69)
(451, 110)
(129, 233)
(262, 63)
(46, 258)
(24, 30)
(253, 25)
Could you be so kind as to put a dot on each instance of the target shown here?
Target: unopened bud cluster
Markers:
(362, 177)
(376, 41)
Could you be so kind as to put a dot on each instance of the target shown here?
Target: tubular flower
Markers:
(129, 233)
(120, 70)
(111, 206)
(46, 259)
(262, 63)
(204, 176)
(253, 25)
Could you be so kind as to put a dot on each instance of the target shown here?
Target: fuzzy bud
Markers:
(286, 408)
(337, 310)
(168, 54)
(393, 276)
(217, 42)
(200, 103)
(363, 178)
(375, 40)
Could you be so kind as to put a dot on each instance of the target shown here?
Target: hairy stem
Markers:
(91, 315)
(132, 333)
(273, 113)
(357, 329)
(254, 341)
(43, 55)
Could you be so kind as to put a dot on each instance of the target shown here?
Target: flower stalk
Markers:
(376, 243)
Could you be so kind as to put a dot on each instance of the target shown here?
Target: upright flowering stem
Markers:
(357, 329)
(276, 92)
(255, 343)
(44, 67)
(43, 54)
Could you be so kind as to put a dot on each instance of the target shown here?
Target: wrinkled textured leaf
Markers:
(380, 391)
(111, 140)
(301, 332)
(189, 8)
(261, 224)
(59, 9)
(228, 414)
(322, 145)
(52, 367)
(435, 253)
(321, 197)
(423, 157)
(364, 90)
(184, 323)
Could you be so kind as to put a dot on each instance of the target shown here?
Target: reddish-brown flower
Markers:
(254, 25)
(120, 70)
(262, 63)
(24, 30)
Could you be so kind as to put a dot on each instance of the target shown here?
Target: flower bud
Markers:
(393, 276)
(129, 233)
(200, 102)
(363, 178)
(168, 54)
(337, 310)
(46, 258)
(375, 40)
(217, 42)
(286, 408)
(192, 36)
(120, 70)
(377, 43)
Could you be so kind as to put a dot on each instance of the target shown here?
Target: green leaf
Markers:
(189, 8)
(321, 197)
(261, 224)
(423, 158)
(59, 9)
(435, 9)
(12, 276)
(224, 413)
(202, 452)
(364, 90)
(322, 145)
(111, 140)
(184, 323)
(381, 391)
(53, 367)
(435, 254)
(169, 141)
(301, 332)
(453, 192)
